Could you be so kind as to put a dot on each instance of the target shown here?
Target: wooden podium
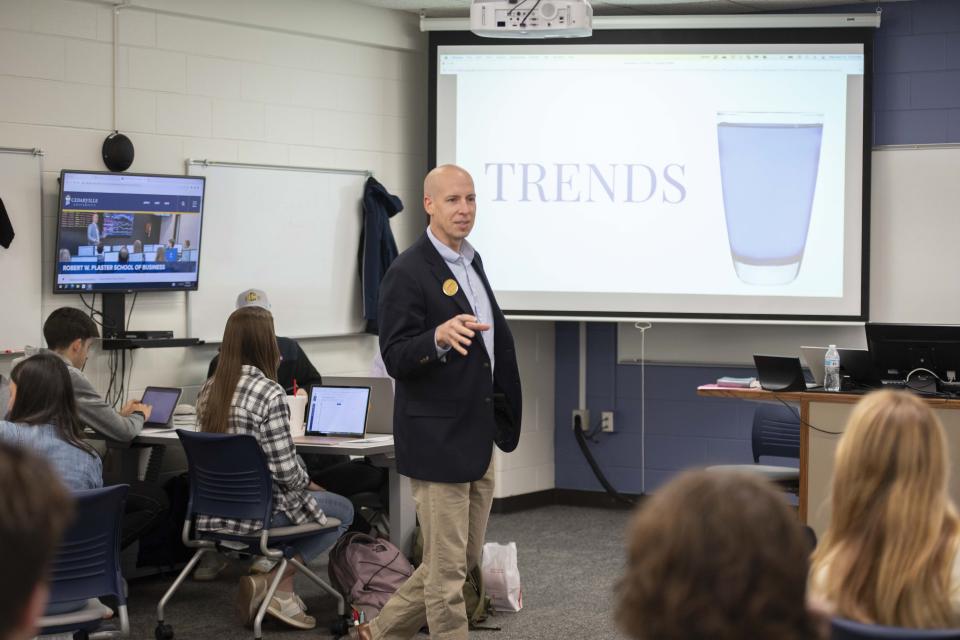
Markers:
(823, 418)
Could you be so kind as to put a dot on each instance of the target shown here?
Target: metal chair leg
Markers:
(320, 582)
(187, 570)
(262, 611)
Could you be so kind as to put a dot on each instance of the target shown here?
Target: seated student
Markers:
(334, 472)
(243, 397)
(295, 366)
(123, 256)
(64, 255)
(161, 255)
(719, 556)
(35, 509)
(70, 334)
(890, 553)
(43, 418)
(137, 246)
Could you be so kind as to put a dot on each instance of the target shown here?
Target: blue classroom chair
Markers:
(229, 478)
(87, 567)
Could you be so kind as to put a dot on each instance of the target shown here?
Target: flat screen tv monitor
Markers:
(898, 349)
(125, 232)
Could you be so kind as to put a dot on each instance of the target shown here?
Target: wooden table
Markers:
(823, 418)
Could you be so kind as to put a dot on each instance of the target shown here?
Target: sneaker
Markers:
(209, 567)
(291, 610)
(253, 589)
(262, 564)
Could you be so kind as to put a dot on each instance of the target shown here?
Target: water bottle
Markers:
(831, 369)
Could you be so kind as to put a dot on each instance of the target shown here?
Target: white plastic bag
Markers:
(501, 577)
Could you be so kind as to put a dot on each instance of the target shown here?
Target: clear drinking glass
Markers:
(768, 169)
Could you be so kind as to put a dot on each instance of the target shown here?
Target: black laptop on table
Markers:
(781, 373)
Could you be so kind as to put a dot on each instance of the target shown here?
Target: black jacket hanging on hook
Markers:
(6, 228)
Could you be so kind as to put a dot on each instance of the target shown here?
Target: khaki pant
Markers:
(453, 518)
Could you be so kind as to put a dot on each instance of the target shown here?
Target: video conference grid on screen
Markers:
(128, 232)
(672, 178)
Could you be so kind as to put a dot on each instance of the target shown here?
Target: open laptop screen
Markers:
(163, 401)
(338, 411)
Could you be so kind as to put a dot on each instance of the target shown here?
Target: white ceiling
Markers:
(445, 8)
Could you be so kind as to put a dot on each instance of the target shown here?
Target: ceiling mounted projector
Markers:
(531, 18)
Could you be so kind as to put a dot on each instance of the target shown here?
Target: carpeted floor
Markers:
(569, 557)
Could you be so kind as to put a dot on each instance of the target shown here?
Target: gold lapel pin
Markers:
(450, 287)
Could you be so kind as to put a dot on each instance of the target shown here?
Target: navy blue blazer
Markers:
(448, 411)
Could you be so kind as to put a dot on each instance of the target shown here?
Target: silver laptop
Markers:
(813, 358)
(380, 417)
(335, 414)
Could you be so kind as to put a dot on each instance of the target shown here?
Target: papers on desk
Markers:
(737, 383)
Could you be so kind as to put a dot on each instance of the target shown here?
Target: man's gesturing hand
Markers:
(458, 331)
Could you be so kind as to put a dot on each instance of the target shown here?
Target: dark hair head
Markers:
(123, 255)
(248, 339)
(45, 396)
(719, 556)
(34, 510)
(67, 324)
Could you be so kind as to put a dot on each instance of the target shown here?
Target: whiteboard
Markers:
(292, 232)
(914, 244)
(21, 266)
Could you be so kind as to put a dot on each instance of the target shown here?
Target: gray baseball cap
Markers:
(253, 298)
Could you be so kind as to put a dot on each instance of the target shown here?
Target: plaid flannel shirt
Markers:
(259, 409)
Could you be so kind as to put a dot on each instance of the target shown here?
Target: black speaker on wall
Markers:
(117, 152)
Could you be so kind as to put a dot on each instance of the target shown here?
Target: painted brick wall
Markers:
(917, 73)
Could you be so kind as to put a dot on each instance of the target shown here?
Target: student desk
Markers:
(828, 413)
(402, 508)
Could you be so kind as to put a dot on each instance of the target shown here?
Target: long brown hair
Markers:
(715, 555)
(888, 552)
(247, 339)
(45, 396)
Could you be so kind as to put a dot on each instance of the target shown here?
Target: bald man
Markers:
(446, 343)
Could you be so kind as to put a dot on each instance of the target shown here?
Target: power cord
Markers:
(794, 411)
(523, 22)
(578, 433)
(517, 6)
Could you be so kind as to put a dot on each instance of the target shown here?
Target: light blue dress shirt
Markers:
(461, 264)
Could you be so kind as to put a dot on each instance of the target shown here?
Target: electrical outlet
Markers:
(584, 419)
(606, 421)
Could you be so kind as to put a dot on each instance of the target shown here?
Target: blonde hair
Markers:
(888, 554)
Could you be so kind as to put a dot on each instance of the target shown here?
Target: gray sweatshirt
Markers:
(97, 414)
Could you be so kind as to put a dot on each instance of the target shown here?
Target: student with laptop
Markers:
(336, 473)
(243, 397)
(70, 334)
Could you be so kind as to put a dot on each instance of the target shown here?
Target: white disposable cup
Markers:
(298, 406)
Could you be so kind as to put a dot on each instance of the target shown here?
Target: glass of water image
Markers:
(768, 169)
